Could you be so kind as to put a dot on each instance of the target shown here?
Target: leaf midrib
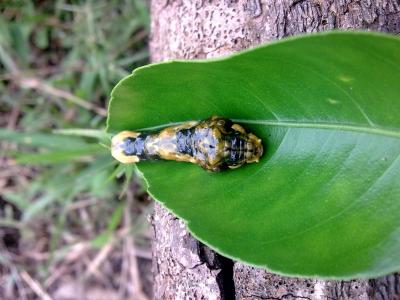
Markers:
(314, 125)
(332, 126)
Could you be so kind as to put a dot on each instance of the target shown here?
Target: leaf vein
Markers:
(333, 126)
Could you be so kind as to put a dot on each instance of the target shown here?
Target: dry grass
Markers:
(119, 269)
(64, 231)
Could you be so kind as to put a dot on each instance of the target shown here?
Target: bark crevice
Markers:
(224, 278)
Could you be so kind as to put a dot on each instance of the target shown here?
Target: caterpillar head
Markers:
(123, 147)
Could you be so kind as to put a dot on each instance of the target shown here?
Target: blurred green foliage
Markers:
(59, 59)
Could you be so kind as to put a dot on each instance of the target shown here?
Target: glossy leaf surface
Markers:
(325, 198)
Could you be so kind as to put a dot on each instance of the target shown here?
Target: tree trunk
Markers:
(183, 267)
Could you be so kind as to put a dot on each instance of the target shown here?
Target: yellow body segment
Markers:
(117, 151)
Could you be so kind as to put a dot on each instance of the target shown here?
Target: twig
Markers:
(83, 204)
(142, 34)
(39, 85)
(136, 284)
(20, 289)
(55, 275)
(100, 257)
(35, 286)
(13, 118)
(10, 172)
(45, 71)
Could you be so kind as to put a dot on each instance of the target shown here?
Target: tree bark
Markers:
(189, 29)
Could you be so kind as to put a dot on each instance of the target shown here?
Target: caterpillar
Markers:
(215, 144)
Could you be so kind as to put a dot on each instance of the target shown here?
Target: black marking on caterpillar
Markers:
(215, 144)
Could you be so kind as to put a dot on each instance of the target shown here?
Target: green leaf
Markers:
(52, 141)
(42, 38)
(82, 132)
(55, 157)
(325, 198)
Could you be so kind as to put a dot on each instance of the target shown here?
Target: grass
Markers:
(64, 225)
